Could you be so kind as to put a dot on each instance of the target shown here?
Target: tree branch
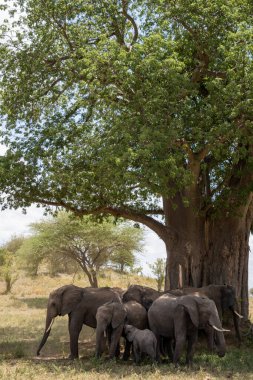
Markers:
(159, 228)
(52, 85)
(120, 33)
(134, 25)
(63, 30)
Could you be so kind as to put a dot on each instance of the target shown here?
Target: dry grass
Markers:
(42, 285)
(22, 316)
(251, 309)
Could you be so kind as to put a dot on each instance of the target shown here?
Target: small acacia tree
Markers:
(158, 269)
(83, 241)
(123, 257)
(8, 261)
(6, 269)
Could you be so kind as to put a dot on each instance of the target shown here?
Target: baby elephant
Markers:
(144, 342)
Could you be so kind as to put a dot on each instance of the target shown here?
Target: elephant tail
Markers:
(49, 324)
(155, 344)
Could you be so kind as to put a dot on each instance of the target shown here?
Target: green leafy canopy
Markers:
(68, 243)
(110, 106)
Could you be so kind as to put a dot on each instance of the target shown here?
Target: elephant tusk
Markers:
(238, 315)
(51, 324)
(217, 329)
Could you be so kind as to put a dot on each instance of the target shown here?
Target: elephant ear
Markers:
(71, 295)
(118, 316)
(190, 305)
(147, 302)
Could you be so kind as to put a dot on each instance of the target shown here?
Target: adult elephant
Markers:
(224, 298)
(81, 305)
(178, 319)
(111, 318)
(142, 294)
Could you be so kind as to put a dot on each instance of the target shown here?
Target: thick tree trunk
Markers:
(202, 252)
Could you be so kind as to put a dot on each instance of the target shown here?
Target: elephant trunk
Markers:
(49, 323)
(219, 339)
(236, 317)
(220, 343)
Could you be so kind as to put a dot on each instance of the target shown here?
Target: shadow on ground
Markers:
(234, 363)
(54, 358)
(35, 303)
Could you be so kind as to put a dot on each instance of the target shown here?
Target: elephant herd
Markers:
(153, 323)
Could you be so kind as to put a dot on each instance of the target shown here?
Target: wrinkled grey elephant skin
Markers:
(141, 294)
(81, 305)
(223, 296)
(179, 318)
(111, 318)
(144, 342)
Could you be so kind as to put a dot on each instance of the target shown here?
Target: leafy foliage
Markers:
(84, 97)
(8, 271)
(158, 270)
(123, 259)
(36, 255)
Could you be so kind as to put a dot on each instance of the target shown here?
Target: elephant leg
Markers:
(137, 355)
(180, 332)
(75, 327)
(127, 350)
(100, 340)
(192, 339)
(167, 347)
(170, 349)
(116, 334)
(158, 348)
(180, 343)
(109, 335)
(117, 352)
(151, 353)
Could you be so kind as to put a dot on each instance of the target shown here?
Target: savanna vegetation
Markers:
(158, 269)
(68, 244)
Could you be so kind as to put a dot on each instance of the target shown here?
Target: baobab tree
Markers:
(141, 110)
